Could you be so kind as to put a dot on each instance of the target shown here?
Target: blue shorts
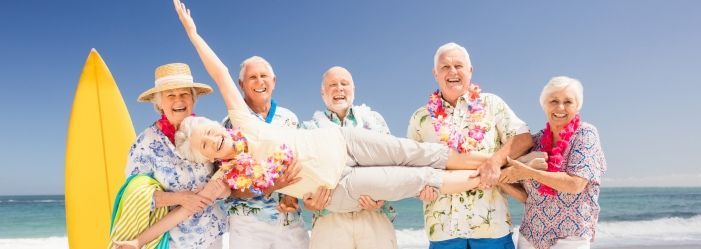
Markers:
(505, 242)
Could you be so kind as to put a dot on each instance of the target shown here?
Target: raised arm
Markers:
(214, 66)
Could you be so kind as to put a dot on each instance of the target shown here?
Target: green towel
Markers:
(132, 212)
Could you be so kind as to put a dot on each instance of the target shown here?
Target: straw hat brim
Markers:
(202, 89)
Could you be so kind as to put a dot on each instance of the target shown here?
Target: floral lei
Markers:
(245, 172)
(447, 132)
(556, 152)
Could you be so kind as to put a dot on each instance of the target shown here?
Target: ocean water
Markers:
(630, 217)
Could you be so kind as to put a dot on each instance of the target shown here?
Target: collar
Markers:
(350, 117)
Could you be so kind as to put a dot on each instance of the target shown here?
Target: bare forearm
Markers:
(559, 181)
(515, 190)
(172, 219)
(165, 199)
(218, 71)
(520, 144)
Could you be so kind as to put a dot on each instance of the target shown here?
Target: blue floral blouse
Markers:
(154, 154)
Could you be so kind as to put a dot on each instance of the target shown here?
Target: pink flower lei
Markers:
(450, 135)
(556, 153)
(245, 172)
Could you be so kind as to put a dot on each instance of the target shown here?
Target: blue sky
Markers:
(638, 61)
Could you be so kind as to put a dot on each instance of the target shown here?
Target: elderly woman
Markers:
(154, 154)
(561, 203)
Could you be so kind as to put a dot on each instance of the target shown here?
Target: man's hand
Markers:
(288, 204)
(318, 201)
(369, 204)
(288, 177)
(489, 173)
(428, 194)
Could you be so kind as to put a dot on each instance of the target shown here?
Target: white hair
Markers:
(156, 99)
(323, 76)
(182, 138)
(255, 58)
(560, 83)
(450, 47)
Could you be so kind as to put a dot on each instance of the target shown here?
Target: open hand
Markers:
(129, 244)
(185, 17)
(369, 204)
(318, 201)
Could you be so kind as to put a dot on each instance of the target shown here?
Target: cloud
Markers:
(676, 180)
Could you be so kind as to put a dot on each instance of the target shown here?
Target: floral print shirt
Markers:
(477, 213)
(155, 155)
(264, 208)
(548, 218)
(357, 116)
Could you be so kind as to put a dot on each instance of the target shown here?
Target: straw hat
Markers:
(172, 76)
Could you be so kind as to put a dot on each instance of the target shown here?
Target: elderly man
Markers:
(371, 227)
(484, 122)
(258, 222)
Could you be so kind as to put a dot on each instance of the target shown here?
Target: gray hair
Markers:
(450, 47)
(182, 138)
(255, 58)
(560, 83)
(323, 76)
(156, 99)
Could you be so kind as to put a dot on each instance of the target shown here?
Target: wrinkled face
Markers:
(212, 141)
(338, 91)
(453, 74)
(177, 104)
(257, 83)
(560, 107)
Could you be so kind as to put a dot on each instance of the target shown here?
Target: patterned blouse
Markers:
(548, 218)
(264, 208)
(357, 116)
(154, 154)
(477, 213)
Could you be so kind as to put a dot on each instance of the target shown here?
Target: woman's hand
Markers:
(288, 204)
(129, 244)
(192, 201)
(369, 204)
(185, 17)
(318, 201)
(428, 194)
(533, 155)
(516, 171)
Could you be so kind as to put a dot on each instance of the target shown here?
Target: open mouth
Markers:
(560, 115)
(339, 98)
(260, 90)
(179, 109)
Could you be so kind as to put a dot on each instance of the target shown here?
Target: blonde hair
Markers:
(559, 83)
(182, 138)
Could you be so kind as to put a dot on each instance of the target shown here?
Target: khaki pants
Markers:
(355, 230)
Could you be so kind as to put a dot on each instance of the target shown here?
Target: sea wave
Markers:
(29, 201)
(666, 231)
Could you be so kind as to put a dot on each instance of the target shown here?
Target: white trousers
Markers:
(564, 243)
(355, 230)
(247, 232)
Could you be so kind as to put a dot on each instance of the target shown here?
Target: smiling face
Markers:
(453, 74)
(560, 107)
(176, 104)
(257, 82)
(338, 90)
(212, 141)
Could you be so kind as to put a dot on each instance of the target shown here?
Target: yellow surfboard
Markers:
(100, 133)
